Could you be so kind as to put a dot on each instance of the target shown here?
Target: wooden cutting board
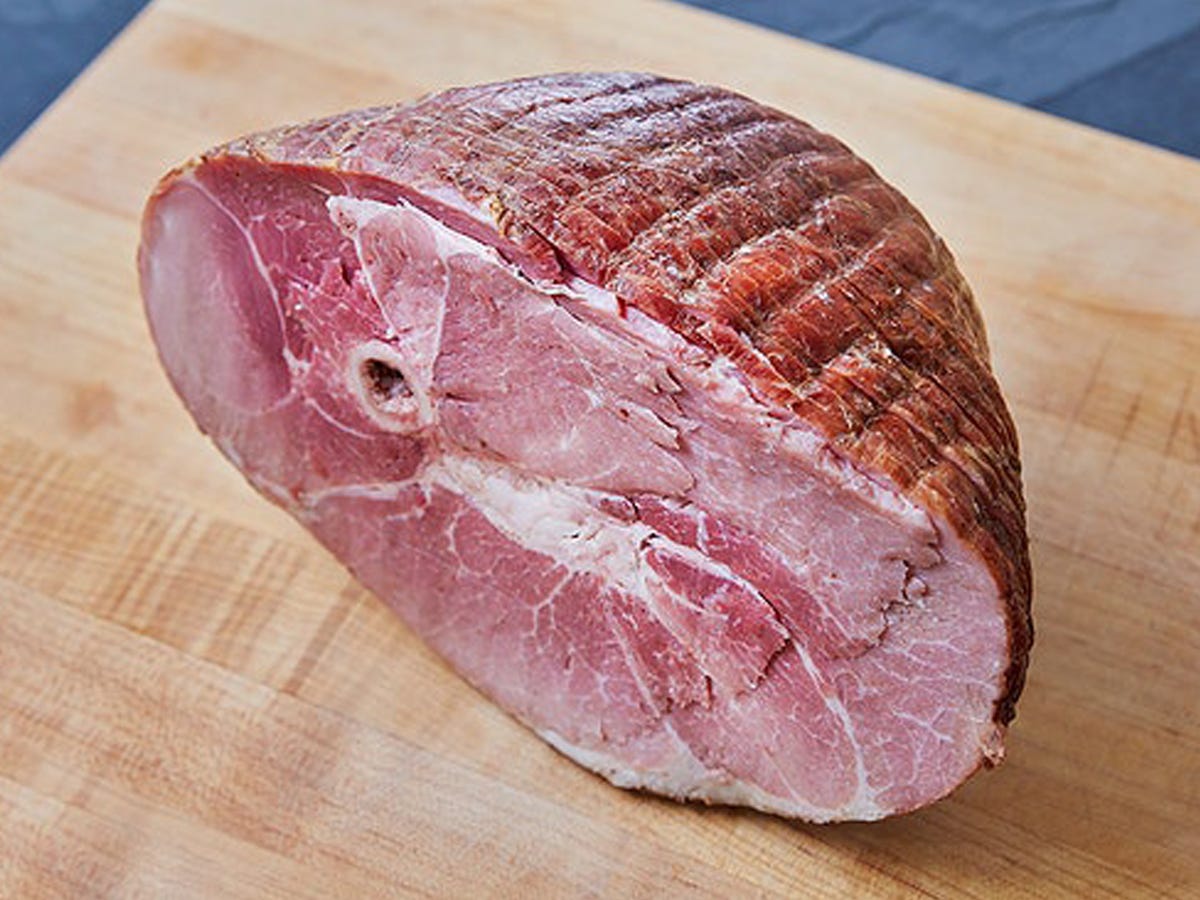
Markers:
(196, 700)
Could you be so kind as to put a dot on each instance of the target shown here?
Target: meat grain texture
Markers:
(654, 410)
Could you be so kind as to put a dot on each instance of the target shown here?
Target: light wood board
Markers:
(197, 700)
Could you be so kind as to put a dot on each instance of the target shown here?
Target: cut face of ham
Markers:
(654, 411)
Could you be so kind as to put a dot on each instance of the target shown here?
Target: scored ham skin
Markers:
(652, 409)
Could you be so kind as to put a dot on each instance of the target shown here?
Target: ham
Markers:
(654, 410)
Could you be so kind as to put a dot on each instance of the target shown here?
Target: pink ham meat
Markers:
(655, 411)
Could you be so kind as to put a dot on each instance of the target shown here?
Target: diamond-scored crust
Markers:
(748, 232)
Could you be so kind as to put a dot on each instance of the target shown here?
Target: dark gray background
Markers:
(1128, 66)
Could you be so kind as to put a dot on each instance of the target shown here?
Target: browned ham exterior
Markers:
(655, 411)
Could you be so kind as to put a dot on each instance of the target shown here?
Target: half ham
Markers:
(655, 411)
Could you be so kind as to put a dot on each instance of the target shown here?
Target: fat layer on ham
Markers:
(654, 411)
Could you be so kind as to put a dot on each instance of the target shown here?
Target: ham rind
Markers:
(656, 412)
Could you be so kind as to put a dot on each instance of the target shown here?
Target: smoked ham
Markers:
(655, 411)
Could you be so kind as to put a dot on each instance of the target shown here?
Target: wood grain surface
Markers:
(196, 700)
